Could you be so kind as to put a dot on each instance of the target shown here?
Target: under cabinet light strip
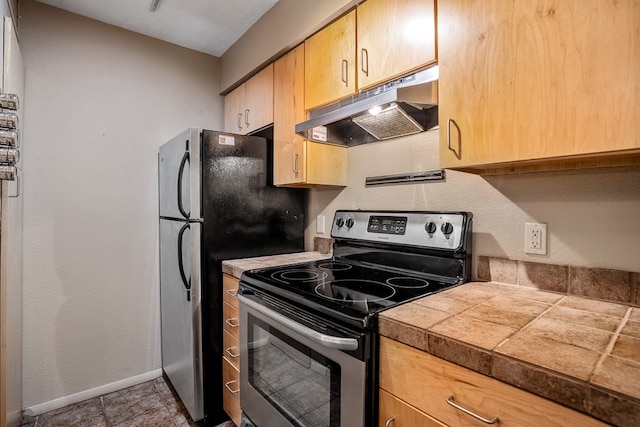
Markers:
(435, 175)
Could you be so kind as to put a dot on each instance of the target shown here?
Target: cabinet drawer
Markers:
(395, 413)
(231, 348)
(426, 382)
(231, 391)
(229, 290)
(231, 319)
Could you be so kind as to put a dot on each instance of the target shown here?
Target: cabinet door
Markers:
(326, 164)
(258, 107)
(233, 111)
(298, 162)
(524, 81)
(395, 37)
(330, 63)
(288, 147)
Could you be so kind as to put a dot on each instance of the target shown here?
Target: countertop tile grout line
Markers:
(528, 324)
(607, 351)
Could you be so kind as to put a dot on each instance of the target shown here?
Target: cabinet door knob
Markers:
(295, 163)
(389, 422)
(246, 117)
(469, 412)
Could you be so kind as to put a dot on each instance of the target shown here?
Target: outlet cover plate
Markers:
(535, 238)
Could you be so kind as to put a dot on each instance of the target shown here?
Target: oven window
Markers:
(300, 383)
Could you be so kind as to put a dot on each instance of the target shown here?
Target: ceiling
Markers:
(209, 26)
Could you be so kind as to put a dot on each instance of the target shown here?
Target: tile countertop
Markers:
(580, 352)
(235, 267)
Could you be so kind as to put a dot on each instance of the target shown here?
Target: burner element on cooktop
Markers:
(355, 291)
(285, 276)
(334, 266)
(407, 282)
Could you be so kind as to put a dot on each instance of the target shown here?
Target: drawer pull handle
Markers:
(231, 292)
(468, 412)
(234, 355)
(231, 323)
(389, 422)
(229, 388)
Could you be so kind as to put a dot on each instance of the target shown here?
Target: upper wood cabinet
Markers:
(330, 62)
(249, 107)
(380, 40)
(394, 37)
(538, 85)
(298, 162)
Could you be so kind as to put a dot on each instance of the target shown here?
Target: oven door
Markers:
(293, 375)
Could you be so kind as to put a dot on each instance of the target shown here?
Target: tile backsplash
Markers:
(323, 245)
(597, 283)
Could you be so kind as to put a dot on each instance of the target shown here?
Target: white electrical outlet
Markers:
(320, 224)
(535, 238)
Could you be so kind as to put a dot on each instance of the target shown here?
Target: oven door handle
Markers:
(315, 336)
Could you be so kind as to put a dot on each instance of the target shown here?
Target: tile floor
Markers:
(150, 404)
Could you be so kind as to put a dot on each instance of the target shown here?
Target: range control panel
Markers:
(387, 224)
(436, 230)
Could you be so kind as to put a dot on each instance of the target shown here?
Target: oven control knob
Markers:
(349, 222)
(447, 228)
(431, 227)
(339, 222)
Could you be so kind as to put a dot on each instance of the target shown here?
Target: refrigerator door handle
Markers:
(186, 282)
(185, 159)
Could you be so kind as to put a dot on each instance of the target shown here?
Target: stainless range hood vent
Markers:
(399, 108)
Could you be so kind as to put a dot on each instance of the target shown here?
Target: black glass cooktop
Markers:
(344, 289)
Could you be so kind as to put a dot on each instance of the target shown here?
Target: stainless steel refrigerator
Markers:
(216, 203)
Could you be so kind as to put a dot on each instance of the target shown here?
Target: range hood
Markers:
(402, 107)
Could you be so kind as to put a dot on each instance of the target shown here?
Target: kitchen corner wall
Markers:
(99, 102)
(593, 215)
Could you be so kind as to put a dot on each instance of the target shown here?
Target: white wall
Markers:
(593, 216)
(101, 101)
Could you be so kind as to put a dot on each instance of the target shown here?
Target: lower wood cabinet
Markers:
(415, 387)
(231, 349)
(231, 392)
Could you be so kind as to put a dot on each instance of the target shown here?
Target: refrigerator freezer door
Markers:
(180, 305)
(179, 172)
(244, 215)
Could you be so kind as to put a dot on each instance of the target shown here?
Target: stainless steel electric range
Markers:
(308, 337)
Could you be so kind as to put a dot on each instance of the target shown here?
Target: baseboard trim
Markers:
(91, 393)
